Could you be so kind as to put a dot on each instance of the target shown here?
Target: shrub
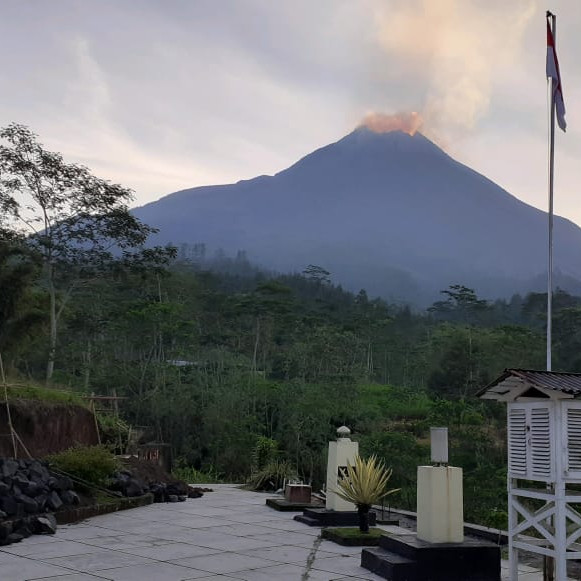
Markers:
(264, 452)
(95, 464)
(192, 476)
(272, 476)
(364, 484)
(114, 431)
(34, 392)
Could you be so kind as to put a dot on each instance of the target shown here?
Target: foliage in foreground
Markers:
(265, 451)
(353, 537)
(192, 476)
(225, 363)
(355, 533)
(34, 392)
(68, 219)
(365, 483)
(272, 476)
(95, 464)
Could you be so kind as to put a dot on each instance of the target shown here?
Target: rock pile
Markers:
(13, 531)
(130, 485)
(28, 490)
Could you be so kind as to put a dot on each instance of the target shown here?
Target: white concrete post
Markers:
(341, 452)
(440, 496)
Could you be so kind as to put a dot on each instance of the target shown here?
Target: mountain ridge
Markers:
(373, 208)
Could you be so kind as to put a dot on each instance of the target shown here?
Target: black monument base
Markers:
(406, 558)
(286, 506)
(321, 517)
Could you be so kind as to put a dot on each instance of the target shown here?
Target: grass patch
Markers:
(353, 537)
(192, 476)
(38, 393)
(391, 402)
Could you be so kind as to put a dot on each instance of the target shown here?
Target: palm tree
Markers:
(365, 484)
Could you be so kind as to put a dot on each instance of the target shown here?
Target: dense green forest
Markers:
(225, 361)
(218, 361)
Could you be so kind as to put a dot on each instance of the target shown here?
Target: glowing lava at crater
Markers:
(409, 123)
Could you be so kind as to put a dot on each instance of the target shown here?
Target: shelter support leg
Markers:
(560, 528)
(512, 523)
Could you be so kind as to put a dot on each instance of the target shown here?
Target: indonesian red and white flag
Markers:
(554, 73)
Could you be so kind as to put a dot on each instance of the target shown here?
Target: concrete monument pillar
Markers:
(341, 452)
(440, 495)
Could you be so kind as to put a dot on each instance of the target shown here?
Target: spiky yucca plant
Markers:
(365, 484)
(272, 476)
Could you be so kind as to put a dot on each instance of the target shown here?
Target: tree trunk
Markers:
(88, 362)
(363, 511)
(52, 334)
(256, 341)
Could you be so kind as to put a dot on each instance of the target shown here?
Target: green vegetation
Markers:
(265, 451)
(352, 537)
(364, 484)
(272, 475)
(249, 377)
(192, 476)
(70, 221)
(94, 464)
(269, 470)
(248, 374)
(36, 392)
(114, 431)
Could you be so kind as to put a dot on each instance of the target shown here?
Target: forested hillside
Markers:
(224, 363)
(249, 373)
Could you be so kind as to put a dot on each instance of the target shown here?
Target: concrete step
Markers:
(467, 561)
(333, 518)
(307, 520)
(389, 565)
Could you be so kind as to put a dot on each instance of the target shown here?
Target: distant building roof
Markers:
(180, 362)
(567, 383)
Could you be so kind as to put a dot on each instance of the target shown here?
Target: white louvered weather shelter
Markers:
(544, 461)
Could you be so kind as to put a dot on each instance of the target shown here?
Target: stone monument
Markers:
(440, 495)
(341, 452)
(337, 512)
(438, 552)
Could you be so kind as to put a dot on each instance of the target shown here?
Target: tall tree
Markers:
(75, 222)
(317, 273)
(462, 305)
(20, 314)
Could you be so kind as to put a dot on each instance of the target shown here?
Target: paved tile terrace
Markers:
(228, 534)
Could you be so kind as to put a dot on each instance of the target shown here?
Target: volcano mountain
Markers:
(388, 212)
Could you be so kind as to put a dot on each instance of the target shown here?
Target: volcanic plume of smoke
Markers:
(381, 123)
(455, 50)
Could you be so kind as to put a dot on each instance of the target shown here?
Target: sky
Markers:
(162, 95)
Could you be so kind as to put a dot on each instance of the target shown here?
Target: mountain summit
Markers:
(389, 212)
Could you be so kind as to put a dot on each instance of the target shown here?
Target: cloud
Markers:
(176, 94)
(453, 50)
(90, 134)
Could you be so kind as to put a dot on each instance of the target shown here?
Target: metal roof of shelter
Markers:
(567, 383)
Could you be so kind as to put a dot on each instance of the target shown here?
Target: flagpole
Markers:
(549, 562)
(551, 179)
